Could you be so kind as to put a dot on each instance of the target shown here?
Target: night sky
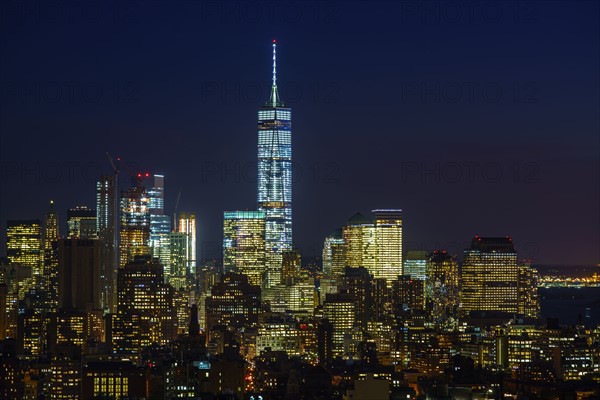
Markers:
(474, 118)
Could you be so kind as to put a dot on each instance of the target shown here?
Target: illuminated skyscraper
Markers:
(529, 301)
(388, 242)
(333, 255)
(233, 302)
(340, 311)
(415, 264)
(359, 240)
(375, 244)
(31, 332)
(176, 272)
(244, 244)
(442, 288)
(51, 259)
(106, 220)
(135, 223)
(160, 224)
(82, 223)
(24, 252)
(357, 283)
(490, 276)
(290, 266)
(275, 177)
(408, 293)
(333, 263)
(187, 225)
(145, 311)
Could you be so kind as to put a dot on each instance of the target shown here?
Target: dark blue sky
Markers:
(473, 117)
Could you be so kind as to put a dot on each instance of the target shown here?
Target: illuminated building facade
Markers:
(135, 223)
(298, 295)
(529, 301)
(357, 283)
(82, 223)
(340, 311)
(114, 379)
(244, 244)
(333, 255)
(359, 241)
(24, 252)
(106, 222)
(51, 259)
(145, 310)
(67, 328)
(490, 276)
(233, 302)
(375, 243)
(442, 288)
(187, 225)
(65, 379)
(176, 272)
(275, 178)
(333, 263)
(388, 244)
(290, 265)
(160, 224)
(283, 333)
(30, 332)
(415, 264)
(408, 293)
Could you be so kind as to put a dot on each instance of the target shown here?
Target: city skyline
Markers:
(445, 235)
(340, 136)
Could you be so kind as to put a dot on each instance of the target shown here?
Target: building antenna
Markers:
(274, 100)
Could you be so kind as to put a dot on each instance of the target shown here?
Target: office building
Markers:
(82, 223)
(24, 252)
(107, 225)
(490, 276)
(375, 243)
(187, 224)
(415, 264)
(51, 260)
(442, 288)
(160, 224)
(333, 255)
(275, 177)
(135, 223)
(145, 310)
(233, 302)
(244, 244)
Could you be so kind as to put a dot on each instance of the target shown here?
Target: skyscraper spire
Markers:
(275, 179)
(274, 99)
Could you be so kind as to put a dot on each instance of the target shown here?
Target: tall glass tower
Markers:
(275, 178)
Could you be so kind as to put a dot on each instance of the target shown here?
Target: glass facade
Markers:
(160, 224)
(135, 224)
(375, 244)
(187, 225)
(333, 255)
(24, 252)
(415, 264)
(275, 178)
(244, 244)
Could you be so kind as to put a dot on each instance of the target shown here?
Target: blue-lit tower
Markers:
(275, 177)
